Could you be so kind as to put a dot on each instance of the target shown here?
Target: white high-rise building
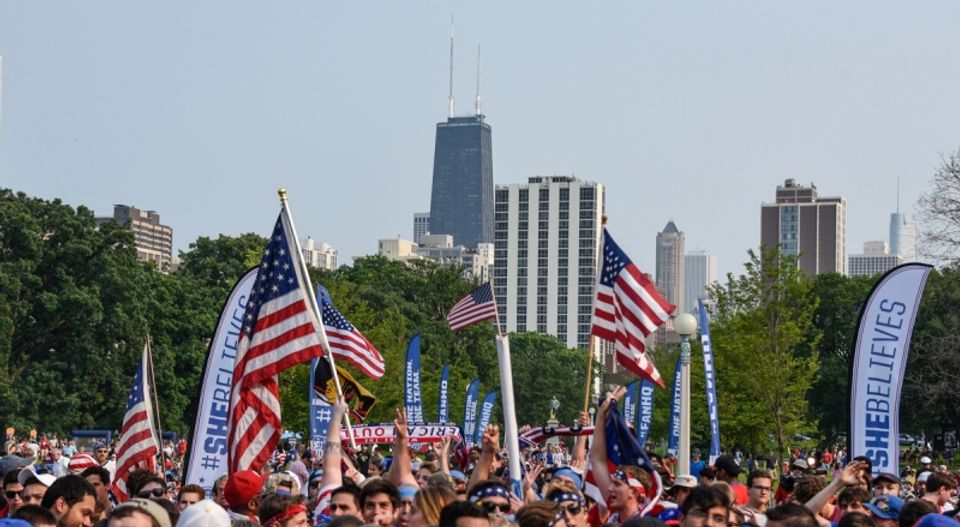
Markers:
(903, 237)
(699, 271)
(320, 255)
(421, 225)
(875, 259)
(546, 247)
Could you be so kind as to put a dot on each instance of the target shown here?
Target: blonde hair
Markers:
(431, 500)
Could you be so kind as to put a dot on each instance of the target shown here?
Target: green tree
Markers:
(764, 326)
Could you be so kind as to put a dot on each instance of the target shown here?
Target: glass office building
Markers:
(461, 201)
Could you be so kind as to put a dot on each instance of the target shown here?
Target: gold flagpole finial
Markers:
(603, 220)
(282, 192)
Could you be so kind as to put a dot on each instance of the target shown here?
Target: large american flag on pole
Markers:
(346, 342)
(280, 329)
(473, 308)
(138, 441)
(627, 309)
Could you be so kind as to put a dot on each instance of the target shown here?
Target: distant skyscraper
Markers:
(154, 241)
(670, 265)
(421, 225)
(461, 202)
(903, 237)
(320, 255)
(876, 259)
(547, 238)
(699, 271)
(805, 224)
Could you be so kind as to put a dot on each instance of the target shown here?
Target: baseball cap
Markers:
(148, 507)
(886, 476)
(922, 478)
(81, 462)
(9, 463)
(685, 481)
(457, 475)
(204, 513)
(242, 487)
(27, 473)
(728, 464)
(925, 460)
(886, 507)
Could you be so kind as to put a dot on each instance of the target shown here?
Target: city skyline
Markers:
(214, 121)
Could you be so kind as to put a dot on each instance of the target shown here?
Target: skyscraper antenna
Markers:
(478, 82)
(450, 97)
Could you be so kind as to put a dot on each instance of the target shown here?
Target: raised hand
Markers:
(400, 424)
(491, 439)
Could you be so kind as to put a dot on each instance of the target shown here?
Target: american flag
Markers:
(475, 307)
(138, 442)
(280, 330)
(346, 342)
(627, 309)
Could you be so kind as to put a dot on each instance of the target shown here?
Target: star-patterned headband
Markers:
(489, 491)
(634, 483)
(566, 496)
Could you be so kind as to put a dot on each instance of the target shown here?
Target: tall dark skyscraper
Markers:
(461, 203)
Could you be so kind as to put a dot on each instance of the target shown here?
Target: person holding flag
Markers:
(621, 478)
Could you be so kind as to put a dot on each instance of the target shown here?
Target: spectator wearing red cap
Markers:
(242, 494)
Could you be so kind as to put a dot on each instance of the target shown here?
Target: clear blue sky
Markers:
(690, 111)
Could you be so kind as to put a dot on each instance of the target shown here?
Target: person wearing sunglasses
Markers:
(154, 488)
(572, 505)
(492, 496)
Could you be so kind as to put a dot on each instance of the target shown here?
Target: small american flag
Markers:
(346, 342)
(627, 309)
(475, 307)
(280, 330)
(138, 442)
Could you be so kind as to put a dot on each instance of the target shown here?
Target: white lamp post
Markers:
(686, 326)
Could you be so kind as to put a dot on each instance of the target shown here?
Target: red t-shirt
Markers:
(740, 492)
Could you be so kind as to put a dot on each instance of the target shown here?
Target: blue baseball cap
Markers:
(886, 507)
(407, 492)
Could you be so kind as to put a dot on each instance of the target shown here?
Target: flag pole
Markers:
(510, 432)
(156, 400)
(593, 307)
(316, 310)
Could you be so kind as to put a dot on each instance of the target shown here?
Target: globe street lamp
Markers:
(686, 326)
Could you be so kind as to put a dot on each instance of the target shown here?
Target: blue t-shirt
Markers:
(696, 467)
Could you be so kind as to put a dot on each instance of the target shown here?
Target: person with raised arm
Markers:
(330, 502)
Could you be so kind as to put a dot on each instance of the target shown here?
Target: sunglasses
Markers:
(156, 493)
(491, 507)
(573, 509)
(11, 494)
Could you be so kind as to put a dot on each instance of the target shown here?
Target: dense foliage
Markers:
(76, 307)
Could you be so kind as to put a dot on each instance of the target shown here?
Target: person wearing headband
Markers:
(492, 496)
(573, 507)
(278, 510)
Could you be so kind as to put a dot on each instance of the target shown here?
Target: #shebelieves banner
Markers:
(443, 413)
(673, 441)
(876, 377)
(711, 382)
(207, 459)
(412, 398)
(644, 411)
(486, 416)
(630, 402)
(470, 412)
(320, 412)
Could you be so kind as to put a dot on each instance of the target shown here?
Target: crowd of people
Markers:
(443, 485)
